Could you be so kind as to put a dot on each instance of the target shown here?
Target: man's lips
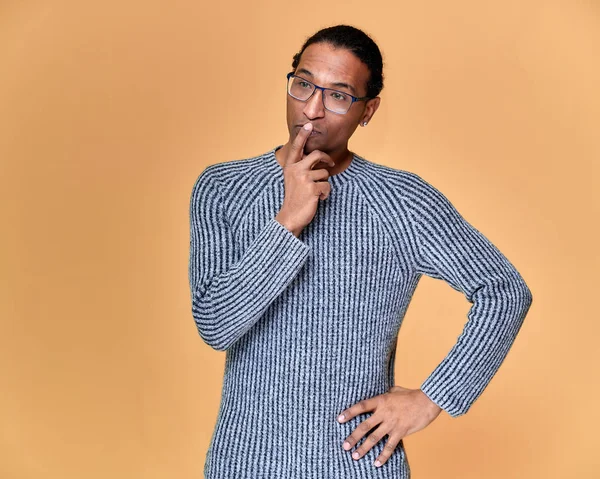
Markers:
(313, 132)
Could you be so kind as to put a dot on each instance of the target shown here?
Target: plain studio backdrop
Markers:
(109, 112)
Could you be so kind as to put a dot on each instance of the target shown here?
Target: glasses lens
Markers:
(300, 89)
(337, 101)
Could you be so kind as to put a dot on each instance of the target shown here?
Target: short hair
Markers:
(357, 42)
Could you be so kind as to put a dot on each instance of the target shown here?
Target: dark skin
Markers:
(400, 411)
(326, 66)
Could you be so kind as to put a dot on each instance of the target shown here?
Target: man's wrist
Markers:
(434, 407)
(294, 230)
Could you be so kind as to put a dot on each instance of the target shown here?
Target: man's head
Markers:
(342, 58)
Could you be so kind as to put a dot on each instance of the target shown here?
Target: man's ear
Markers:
(370, 109)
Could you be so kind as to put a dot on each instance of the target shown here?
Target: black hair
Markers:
(356, 41)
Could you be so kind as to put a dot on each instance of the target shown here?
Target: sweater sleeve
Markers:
(230, 290)
(449, 248)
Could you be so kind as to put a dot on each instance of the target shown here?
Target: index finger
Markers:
(357, 409)
(299, 142)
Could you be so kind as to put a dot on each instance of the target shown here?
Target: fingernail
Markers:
(377, 463)
(307, 126)
(340, 417)
(355, 455)
(346, 445)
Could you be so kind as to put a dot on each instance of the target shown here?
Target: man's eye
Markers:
(338, 96)
(304, 84)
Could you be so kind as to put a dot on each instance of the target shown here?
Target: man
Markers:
(303, 261)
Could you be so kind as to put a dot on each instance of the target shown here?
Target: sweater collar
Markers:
(343, 177)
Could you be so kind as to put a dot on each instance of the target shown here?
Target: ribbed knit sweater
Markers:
(309, 324)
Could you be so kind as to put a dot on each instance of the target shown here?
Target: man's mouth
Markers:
(313, 132)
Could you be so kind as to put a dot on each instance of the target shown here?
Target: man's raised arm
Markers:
(231, 291)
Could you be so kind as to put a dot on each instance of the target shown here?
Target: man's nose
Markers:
(314, 105)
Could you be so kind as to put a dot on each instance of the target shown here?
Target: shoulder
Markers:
(233, 175)
(402, 185)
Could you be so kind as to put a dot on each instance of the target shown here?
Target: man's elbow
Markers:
(523, 293)
(209, 327)
(521, 299)
(513, 292)
(215, 342)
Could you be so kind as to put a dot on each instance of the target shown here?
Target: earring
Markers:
(365, 123)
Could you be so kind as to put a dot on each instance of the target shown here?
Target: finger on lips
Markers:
(300, 141)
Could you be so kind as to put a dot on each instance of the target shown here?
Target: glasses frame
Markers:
(317, 87)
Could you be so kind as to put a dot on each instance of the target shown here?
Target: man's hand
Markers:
(304, 186)
(399, 412)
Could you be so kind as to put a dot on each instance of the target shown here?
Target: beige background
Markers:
(109, 112)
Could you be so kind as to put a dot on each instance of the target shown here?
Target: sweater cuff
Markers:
(276, 256)
(443, 400)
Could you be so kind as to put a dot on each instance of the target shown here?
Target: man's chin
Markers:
(313, 143)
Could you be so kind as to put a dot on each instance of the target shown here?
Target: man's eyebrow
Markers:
(304, 71)
(345, 85)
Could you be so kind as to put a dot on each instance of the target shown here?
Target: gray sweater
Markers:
(310, 323)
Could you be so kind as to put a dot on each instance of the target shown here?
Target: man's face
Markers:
(341, 70)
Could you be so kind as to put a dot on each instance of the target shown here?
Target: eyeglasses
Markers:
(333, 100)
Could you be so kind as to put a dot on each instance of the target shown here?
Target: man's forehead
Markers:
(333, 67)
